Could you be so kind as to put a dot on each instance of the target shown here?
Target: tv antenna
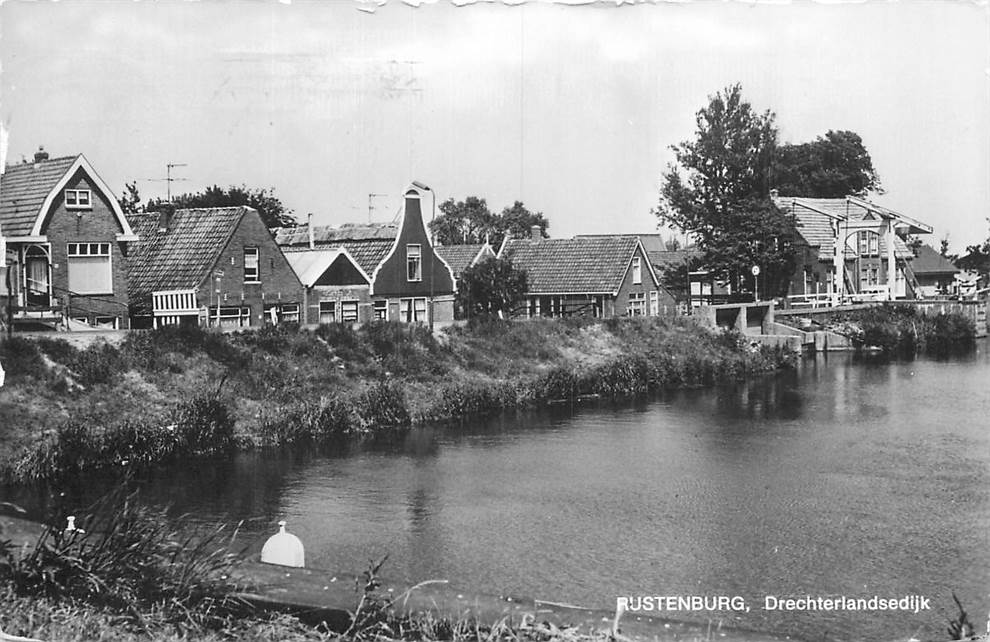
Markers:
(371, 204)
(168, 180)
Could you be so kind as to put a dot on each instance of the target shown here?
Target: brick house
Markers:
(67, 246)
(210, 266)
(365, 272)
(849, 249)
(603, 276)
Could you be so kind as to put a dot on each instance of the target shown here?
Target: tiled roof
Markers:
(572, 266)
(24, 188)
(459, 257)
(181, 256)
(671, 258)
(929, 261)
(651, 242)
(368, 244)
(815, 227)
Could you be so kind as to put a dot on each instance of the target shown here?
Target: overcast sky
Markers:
(570, 109)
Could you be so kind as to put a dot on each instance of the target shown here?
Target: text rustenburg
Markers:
(682, 603)
(913, 603)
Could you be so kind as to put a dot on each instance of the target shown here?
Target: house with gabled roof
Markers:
(461, 257)
(216, 267)
(850, 249)
(592, 276)
(365, 272)
(67, 245)
(936, 275)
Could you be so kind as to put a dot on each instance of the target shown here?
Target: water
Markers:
(845, 478)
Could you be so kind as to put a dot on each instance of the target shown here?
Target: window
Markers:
(414, 310)
(328, 311)
(89, 268)
(107, 323)
(637, 266)
(349, 311)
(232, 317)
(414, 263)
(290, 312)
(78, 199)
(869, 243)
(637, 304)
(654, 303)
(251, 272)
(381, 310)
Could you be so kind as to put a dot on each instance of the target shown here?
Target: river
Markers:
(848, 477)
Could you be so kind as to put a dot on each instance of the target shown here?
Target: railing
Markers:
(174, 303)
(820, 300)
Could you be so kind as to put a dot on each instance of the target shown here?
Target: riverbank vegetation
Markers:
(185, 391)
(125, 572)
(901, 330)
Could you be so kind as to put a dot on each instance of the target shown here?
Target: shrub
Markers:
(21, 358)
(204, 424)
(309, 422)
(382, 405)
(58, 350)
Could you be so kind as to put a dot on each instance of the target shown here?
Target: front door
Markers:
(37, 283)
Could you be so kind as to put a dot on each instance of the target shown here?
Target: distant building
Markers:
(67, 245)
(602, 276)
(850, 249)
(211, 267)
(936, 274)
(364, 272)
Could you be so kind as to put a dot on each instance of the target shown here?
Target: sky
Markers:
(570, 109)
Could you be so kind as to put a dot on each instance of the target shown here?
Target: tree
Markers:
(130, 200)
(833, 166)
(470, 221)
(518, 222)
(977, 258)
(490, 287)
(464, 221)
(718, 192)
(271, 209)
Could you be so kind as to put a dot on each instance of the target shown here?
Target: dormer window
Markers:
(414, 263)
(78, 199)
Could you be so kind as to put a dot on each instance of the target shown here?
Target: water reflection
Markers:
(843, 477)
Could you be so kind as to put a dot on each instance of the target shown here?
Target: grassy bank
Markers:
(178, 392)
(901, 330)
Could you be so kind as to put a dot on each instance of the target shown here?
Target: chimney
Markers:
(309, 230)
(165, 218)
(41, 154)
(535, 233)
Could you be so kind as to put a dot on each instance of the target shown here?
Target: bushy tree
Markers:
(470, 221)
(490, 287)
(977, 258)
(273, 212)
(833, 166)
(130, 200)
(718, 192)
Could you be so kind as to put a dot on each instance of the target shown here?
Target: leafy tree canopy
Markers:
(977, 258)
(491, 287)
(271, 209)
(717, 191)
(833, 166)
(470, 221)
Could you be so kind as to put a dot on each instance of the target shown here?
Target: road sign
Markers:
(756, 270)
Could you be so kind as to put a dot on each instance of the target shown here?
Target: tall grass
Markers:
(129, 558)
